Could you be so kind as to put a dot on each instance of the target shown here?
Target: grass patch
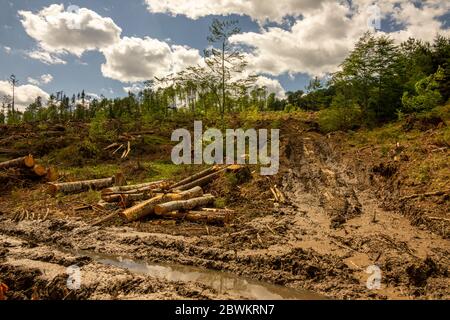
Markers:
(156, 140)
(91, 172)
(160, 170)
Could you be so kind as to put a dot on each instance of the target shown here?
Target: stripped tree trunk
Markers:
(201, 181)
(217, 218)
(184, 195)
(148, 207)
(137, 188)
(80, 186)
(194, 177)
(27, 161)
(190, 204)
(142, 209)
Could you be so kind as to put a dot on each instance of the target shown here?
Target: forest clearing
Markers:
(315, 227)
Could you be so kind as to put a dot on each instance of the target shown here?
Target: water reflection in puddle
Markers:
(222, 282)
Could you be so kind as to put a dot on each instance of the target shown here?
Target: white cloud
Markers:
(272, 86)
(320, 41)
(136, 59)
(135, 88)
(93, 95)
(60, 31)
(24, 95)
(33, 81)
(7, 49)
(45, 57)
(44, 79)
(257, 9)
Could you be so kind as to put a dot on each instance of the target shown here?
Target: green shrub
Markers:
(340, 118)
(99, 130)
(427, 95)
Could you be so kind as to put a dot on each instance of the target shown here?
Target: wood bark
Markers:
(190, 204)
(27, 161)
(80, 186)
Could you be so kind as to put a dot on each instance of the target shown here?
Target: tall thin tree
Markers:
(13, 81)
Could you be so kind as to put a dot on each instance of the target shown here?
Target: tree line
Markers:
(378, 81)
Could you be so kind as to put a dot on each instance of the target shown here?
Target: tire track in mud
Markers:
(337, 214)
(41, 273)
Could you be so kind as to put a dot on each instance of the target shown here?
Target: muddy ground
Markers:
(342, 218)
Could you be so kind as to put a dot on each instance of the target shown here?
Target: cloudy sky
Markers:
(108, 47)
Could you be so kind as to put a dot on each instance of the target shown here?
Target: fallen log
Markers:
(39, 170)
(137, 188)
(190, 204)
(52, 174)
(216, 218)
(147, 207)
(142, 209)
(184, 195)
(126, 198)
(27, 161)
(81, 186)
(194, 177)
(200, 182)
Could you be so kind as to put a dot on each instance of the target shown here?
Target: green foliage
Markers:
(99, 130)
(97, 171)
(162, 170)
(342, 115)
(220, 203)
(371, 77)
(427, 95)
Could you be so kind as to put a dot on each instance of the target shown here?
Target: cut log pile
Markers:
(26, 168)
(184, 200)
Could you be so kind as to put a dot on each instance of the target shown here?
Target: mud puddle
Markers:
(224, 283)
